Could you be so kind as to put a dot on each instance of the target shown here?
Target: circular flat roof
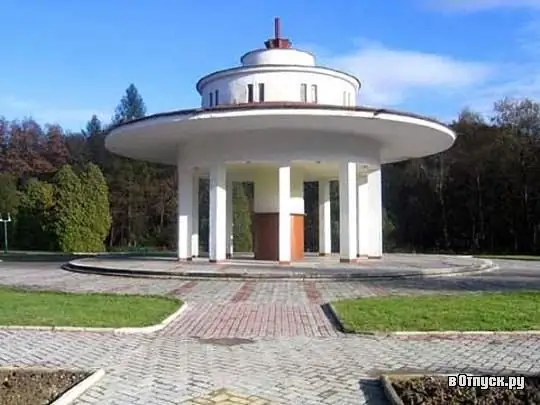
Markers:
(398, 135)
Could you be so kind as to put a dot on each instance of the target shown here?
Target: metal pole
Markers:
(5, 237)
(5, 222)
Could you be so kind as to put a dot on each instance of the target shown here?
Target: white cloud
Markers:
(391, 77)
(479, 5)
(69, 118)
(440, 83)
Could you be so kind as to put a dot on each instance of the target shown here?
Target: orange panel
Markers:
(297, 237)
(266, 236)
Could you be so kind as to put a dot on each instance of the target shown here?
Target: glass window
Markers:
(303, 93)
(211, 101)
(314, 97)
(250, 93)
(261, 92)
(216, 97)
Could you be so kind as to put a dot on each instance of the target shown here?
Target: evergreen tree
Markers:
(95, 142)
(33, 223)
(97, 213)
(69, 222)
(131, 106)
(241, 219)
(128, 179)
(9, 196)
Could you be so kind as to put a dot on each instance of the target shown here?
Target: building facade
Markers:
(279, 120)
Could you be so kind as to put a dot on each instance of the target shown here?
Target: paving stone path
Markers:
(259, 342)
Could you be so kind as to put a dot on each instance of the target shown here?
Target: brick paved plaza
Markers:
(263, 342)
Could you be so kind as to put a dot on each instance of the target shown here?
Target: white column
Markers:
(284, 203)
(195, 219)
(375, 215)
(230, 245)
(347, 212)
(185, 212)
(325, 223)
(363, 217)
(218, 214)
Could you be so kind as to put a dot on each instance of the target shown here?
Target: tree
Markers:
(95, 142)
(129, 182)
(56, 151)
(97, 215)
(23, 154)
(33, 222)
(9, 195)
(131, 106)
(242, 235)
(68, 215)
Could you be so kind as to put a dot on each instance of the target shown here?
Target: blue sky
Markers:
(65, 60)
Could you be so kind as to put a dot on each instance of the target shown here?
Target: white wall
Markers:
(278, 57)
(266, 197)
(282, 84)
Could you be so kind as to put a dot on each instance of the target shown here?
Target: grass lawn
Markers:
(510, 257)
(39, 308)
(465, 312)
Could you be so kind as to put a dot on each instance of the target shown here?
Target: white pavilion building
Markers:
(278, 120)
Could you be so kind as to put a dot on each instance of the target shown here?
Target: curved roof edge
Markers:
(275, 106)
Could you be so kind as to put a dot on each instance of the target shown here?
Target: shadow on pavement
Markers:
(505, 279)
(372, 391)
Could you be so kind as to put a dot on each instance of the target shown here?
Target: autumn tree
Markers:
(55, 151)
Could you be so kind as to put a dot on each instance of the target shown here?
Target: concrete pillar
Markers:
(185, 212)
(347, 212)
(325, 223)
(375, 215)
(266, 210)
(218, 214)
(195, 219)
(363, 217)
(230, 245)
(284, 203)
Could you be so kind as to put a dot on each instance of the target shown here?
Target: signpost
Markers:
(5, 222)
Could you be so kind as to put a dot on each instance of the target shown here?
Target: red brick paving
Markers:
(242, 319)
(244, 292)
(313, 294)
(184, 288)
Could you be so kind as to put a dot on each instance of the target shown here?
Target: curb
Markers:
(75, 392)
(441, 272)
(120, 331)
(389, 391)
(331, 312)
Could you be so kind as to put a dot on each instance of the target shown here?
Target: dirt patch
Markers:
(36, 387)
(435, 391)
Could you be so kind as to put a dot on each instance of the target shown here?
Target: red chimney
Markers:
(277, 42)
